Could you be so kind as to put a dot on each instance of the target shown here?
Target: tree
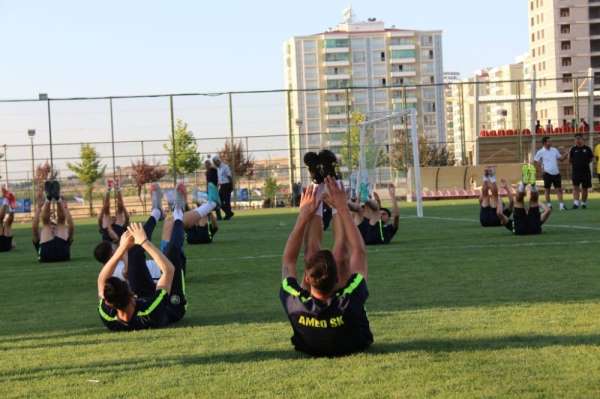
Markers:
(88, 171)
(146, 173)
(350, 153)
(243, 165)
(270, 191)
(185, 158)
(429, 154)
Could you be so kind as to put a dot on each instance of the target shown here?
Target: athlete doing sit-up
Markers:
(111, 227)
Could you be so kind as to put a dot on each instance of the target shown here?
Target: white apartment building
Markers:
(564, 43)
(361, 67)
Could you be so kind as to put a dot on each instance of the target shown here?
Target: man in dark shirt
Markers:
(140, 303)
(326, 310)
(580, 158)
(377, 225)
(8, 203)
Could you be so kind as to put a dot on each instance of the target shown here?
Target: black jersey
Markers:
(377, 233)
(580, 158)
(150, 312)
(201, 234)
(338, 327)
(117, 228)
(212, 176)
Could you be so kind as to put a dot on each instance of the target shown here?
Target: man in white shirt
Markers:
(547, 158)
(225, 187)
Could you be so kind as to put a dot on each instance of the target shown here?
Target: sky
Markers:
(82, 48)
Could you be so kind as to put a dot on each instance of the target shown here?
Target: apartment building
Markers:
(361, 66)
(564, 43)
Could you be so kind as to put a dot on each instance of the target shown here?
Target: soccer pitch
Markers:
(456, 311)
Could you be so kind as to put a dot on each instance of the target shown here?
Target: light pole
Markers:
(31, 134)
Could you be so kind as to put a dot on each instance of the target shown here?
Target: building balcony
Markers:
(336, 63)
(400, 100)
(339, 129)
(403, 60)
(335, 103)
(342, 76)
(336, 117)
(402, 47)
(403, 74)
(336, 50)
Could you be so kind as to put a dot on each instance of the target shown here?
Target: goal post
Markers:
(368, 157)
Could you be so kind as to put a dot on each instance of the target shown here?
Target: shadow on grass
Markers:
(96, 369)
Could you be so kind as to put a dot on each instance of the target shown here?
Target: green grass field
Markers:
(456, 310)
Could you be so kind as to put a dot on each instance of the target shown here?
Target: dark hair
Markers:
(117, 293)
(386, 210)
(321, 271)
(545, 139)
(103, 252)
(579, 136)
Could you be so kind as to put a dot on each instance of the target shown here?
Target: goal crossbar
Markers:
(412, 114)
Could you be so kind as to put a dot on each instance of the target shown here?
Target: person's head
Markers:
(538, 121)
(103, 252)
(208, 164)
(579, 140)
(549, 121)
(216, 160)
(320, 272)
(546, 142)
(117, 293)
(386, 215)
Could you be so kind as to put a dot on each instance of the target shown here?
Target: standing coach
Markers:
(225, 187)
(580, 158)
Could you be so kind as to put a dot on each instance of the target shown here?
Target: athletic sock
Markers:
(521, 187)
(156, 214)
(534, 188)
(204, 209)
(177, 214)
(576, 202)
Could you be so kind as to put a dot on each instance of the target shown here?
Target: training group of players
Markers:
(528, 220)
(326, 305)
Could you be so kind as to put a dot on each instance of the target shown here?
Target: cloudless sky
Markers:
(109, 47)
(100, 48)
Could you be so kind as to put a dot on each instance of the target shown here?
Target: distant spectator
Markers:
(565, 124)
(584, 126)
(549, 127)
(547, 157)
(538, 126)
(580, 157)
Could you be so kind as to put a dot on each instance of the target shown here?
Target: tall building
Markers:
(564, 43)
(361, 66)
(450, 78)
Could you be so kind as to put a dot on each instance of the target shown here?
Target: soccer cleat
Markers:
(48, 190)
(180, 194)
(583, 206)
(109, 184)
(525, 173)
(328, 162)
(55, 190)
(311, 160)
(12, 200)
(156, 195)
(575, 206)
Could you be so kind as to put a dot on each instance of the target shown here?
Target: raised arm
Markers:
(108, 269)
(166, 267)
(308, 205)
(546, 211)
(358, 257)
(395, 209)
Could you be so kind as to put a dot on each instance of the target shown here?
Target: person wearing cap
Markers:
(580, 158)
(225, 180)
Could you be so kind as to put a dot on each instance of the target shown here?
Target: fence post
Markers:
(231, 134)
(590, 111)
(533, 116)
(348, 128)
(519, 120)
(477, 121)
(290, 142)
(50, 138)
(144, 188)
(6, 164)
(463, 144)
(173, 141)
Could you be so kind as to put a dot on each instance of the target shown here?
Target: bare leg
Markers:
(493, 200)
(3, 210)
(45, 213)
(122, 217)
(167, 229)
(584, 194)
(340, 252)
(576, 191)
(7, 227)
(484, 199)
(104, 217)
(559, 194)
(65, 227)
(547, 195)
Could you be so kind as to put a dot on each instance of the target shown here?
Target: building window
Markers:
(532, 21)
(568, 111)
(565, 29)
(566, 61)
(565, 45)
(564, 12)
(533, 37)
(567, 78)
(383, 82)
(533, 52)
(382, 56)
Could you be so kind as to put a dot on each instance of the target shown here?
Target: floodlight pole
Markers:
(533, 116)
(590, 110)
(112, 136)
(416, 162)
(173, 141)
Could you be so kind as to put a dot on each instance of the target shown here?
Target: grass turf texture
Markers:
(456, 310)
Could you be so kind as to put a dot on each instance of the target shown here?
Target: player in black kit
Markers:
(326, 309)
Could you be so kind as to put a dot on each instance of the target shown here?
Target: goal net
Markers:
(381, 153)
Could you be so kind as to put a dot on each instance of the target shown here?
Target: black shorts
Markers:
(527, 222)
(55, 250)
(552, 181)
(117, 228)
(5, 243)
(488, 217)
(198, 235)
(582, 178)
